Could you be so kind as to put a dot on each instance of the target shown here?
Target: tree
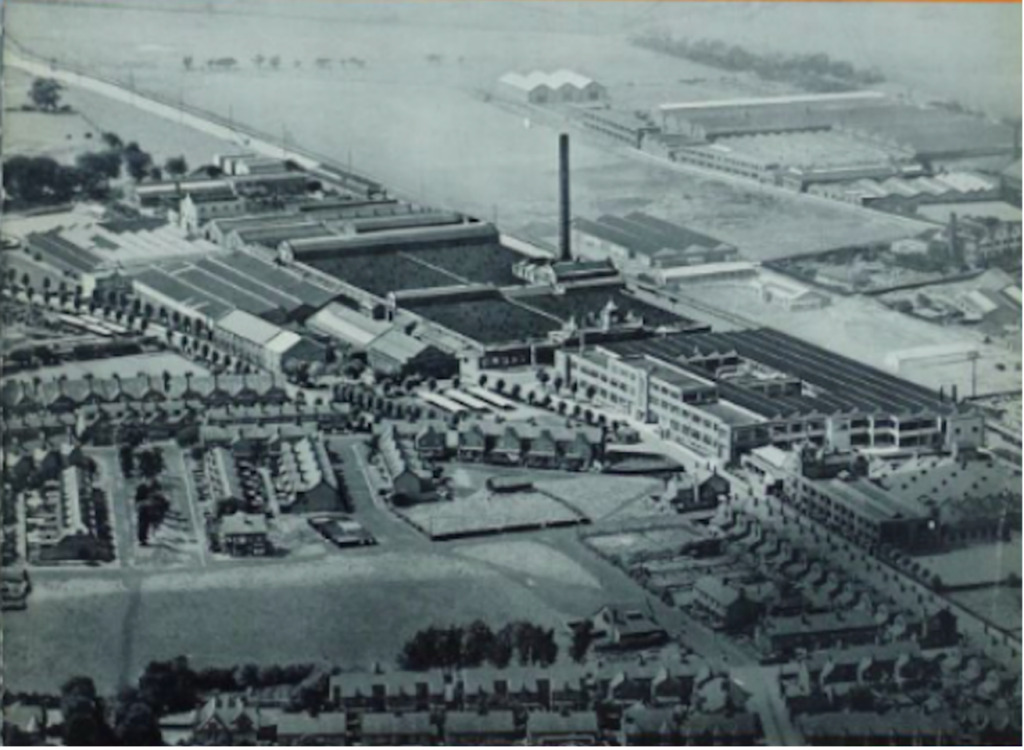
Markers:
(95, 170)
(275, 62)
(127, 457)
(151, 463)
(40, 179)
(113, 141)
(45, 94)
(477, 644)
(176, 166)
(84, 722)
(169, 687)
(582, 638)
(138, 162)
(188, 61)
(135, 722)
(259, 60)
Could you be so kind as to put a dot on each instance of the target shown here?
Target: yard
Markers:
(987, 563)
(177, 542)
(597, 496)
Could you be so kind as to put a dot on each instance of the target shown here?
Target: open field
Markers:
(977, 564)
(351, 613)
(1000, 605)
(428, 131)
(60, 136)
(599, 495)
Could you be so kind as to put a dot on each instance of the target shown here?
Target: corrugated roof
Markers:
(346, 324)
(554, 80)
(249, 327)
(397, 345)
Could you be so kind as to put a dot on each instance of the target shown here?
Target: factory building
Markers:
(264, 344)
(559, 87)
(639, 239)
(708, 120)
(727, 393)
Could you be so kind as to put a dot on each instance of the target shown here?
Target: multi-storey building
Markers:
(723, 394)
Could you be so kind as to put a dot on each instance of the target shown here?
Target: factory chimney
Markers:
(565, 212)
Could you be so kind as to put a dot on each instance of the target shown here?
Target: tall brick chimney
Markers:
(564, 209)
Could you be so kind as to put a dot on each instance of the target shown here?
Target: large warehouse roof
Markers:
(554, 80)
(840, 384)
(766, 101)
(219, 283)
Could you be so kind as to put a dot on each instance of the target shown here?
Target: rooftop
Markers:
(841, 385)
(763, 101)
(942, 212)
(249, 327)
(348, 325)
(215, 284)
(554, 80)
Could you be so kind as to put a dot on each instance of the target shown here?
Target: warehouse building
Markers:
(907, 194)
(204, 290)
(514, 326)
(639, 239)
(708, 120)
(263, 344)
(559, 87)
(624, 127)
(724, 394)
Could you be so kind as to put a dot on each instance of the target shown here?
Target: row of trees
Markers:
(164, 687)
(272, 62)
(86, 718)
(151, 504)
(815, 72)
(42, 180)
(461, 646)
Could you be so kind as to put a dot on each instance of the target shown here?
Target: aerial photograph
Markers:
(510, 372)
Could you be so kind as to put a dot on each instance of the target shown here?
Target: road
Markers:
(766, 700)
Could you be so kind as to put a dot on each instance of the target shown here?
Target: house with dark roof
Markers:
(624, 628)
(325, 728)
(562, 728)
(229, 720)
(481, 728)
(397, 729)
(727, 606)
(243, 534)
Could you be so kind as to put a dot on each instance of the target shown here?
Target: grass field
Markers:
(351, 612)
